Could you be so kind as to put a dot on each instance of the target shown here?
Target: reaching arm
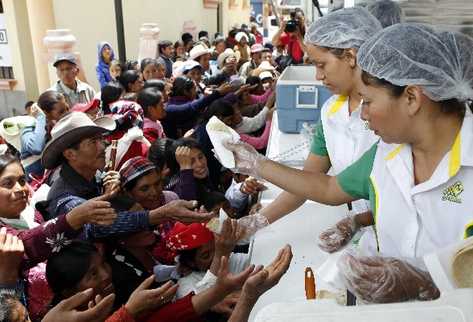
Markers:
(320, 188)
(287, 202)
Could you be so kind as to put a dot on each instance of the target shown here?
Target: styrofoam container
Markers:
(450, 307)
(299, 98)
(439, 265)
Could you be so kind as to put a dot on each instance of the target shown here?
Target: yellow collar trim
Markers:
(337, 105)
(394, 152)
(455, 156)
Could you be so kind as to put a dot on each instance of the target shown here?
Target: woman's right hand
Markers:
(183, 157)
(246, 158)
(144, 300)
(334, 238)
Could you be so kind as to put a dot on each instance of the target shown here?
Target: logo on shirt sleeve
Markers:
(452, 193)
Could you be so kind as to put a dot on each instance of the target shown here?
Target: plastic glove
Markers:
(334, 238)
(386, 279)
(251, 224)
(246, 158)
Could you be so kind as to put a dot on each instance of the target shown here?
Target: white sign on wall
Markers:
(5, 53)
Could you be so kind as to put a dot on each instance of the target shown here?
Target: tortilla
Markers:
(462, 267)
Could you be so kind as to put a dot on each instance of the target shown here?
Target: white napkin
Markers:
(218, 133)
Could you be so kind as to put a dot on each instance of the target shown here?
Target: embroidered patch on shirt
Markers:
(453, 192)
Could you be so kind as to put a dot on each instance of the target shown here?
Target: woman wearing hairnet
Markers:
(416, 87)
(341, 136)
(388, 12)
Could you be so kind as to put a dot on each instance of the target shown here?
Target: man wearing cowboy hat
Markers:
(77, 145)
(201, 54)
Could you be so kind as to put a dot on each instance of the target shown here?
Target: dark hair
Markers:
(253, 80)
(147, 61)
(7, 159)
(149, 97)
(48, 99)
(186, 37)
(65, 269)
(28, 104)
(178, 43)
(128, 77)
(218, 40)
(220, 108)
(161, 153)
(111, 92)
(181, 86)
(187, 142)
(130, 65)
(163, 44)
(203, 33)
(187, 257)
(212, 198)
(155, 83)
(217, 80)
(8, 302)
(450, 106)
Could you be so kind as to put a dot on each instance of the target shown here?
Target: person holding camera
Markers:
(291, 35)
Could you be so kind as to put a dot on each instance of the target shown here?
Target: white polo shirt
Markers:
(414, 220)
(346, 138)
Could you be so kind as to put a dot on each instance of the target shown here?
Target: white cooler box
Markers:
(455, 306)
(299, 98)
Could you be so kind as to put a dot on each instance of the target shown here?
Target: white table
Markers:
(299, 229)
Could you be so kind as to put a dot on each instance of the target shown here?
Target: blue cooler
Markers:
(299, 98)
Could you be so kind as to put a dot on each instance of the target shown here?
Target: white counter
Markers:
(299, 229)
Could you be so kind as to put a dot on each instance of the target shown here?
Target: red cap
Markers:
(185, 237)
(84, 107)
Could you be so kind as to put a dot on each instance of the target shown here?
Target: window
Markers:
(6, 73)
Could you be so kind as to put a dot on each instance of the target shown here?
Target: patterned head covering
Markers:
(135, 168)
(185, 237)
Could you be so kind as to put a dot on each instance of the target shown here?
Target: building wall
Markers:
(170, 17)
(39, 24)
(90, 21)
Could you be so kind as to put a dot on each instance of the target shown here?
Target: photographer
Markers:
(291, 35)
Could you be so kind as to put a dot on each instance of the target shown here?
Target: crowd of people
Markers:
(106, 194)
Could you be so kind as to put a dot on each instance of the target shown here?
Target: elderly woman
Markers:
(416, 85)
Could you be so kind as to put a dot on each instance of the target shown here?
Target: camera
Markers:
(291, 26)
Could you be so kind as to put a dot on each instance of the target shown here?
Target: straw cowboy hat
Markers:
(69, 130)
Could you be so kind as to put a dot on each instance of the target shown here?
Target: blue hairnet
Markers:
(439, 61)
(345, 28)
(387, 12)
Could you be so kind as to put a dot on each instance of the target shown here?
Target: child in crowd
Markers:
(105, 57)
(115, 70)
(152, 69)
(152, 102)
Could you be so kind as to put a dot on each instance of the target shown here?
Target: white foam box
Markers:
(455, 306)
(299, 98)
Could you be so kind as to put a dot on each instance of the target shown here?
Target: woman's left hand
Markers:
(386, 279)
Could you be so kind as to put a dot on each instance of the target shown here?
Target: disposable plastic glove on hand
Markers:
(334, 238)
(247, 159)
(386, 279)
